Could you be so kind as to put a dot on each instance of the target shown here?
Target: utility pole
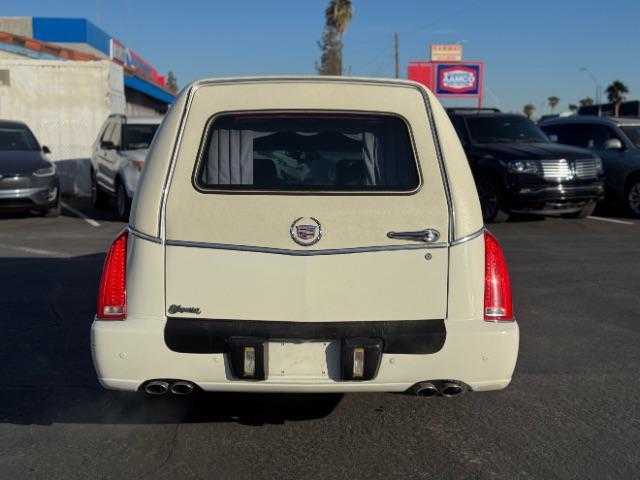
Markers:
(395, 36)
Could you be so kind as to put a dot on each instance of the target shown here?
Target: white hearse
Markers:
(310, 234)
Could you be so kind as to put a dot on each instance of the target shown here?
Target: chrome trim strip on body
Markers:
(144, 236)
(468, 237)
(303, 253)
(330, 251)
(443, 169)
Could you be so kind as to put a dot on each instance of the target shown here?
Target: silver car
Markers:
(118, 158)
(28, 179)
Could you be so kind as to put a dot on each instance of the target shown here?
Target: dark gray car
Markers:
(616, 141)
(28, 180)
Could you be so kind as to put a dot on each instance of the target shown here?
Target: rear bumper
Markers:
(555, 199)
(128, 353)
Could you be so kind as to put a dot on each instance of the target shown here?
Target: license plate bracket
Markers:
(303, 359)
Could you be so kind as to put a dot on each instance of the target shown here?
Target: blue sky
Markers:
(532, 49)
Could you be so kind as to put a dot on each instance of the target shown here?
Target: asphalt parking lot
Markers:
(572, 410)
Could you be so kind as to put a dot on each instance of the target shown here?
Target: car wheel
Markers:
(98, 197)
(633, 197)
(123, 203)
(491, 200)
(584, 213)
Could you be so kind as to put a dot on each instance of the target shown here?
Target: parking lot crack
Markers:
(57, 318)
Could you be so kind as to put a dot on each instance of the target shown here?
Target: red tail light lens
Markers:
(497, 289)
(112, 298)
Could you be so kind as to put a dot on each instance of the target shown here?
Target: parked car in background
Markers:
(118, 157)
(28, 179)
(616, 141)
(296, 235)
(518, 169)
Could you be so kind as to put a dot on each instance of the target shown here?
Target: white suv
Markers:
(305, 235)
(118, 156)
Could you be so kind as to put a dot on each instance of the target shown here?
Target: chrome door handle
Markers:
(429, 235)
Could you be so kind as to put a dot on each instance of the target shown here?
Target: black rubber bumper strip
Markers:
(420, 337)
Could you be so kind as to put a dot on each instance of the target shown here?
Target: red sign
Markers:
(421, 72)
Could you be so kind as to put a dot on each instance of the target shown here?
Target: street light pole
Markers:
(595, 81)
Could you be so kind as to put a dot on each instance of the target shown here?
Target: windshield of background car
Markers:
(504, 129)
(17, 139)
(310, 151)
(633, 133)
(138, 136)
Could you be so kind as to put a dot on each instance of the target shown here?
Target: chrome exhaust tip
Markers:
(156, 387)
(426, 389)
(450, 389)
(182, 387)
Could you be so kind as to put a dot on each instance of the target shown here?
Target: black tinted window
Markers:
(633, 133)
(12, 138)
(136, 136)
(503, 129)
(585, 135)
(308, 152)
(568, 134)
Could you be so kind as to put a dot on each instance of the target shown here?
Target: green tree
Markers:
(616, 95)
(172, 82)
(585, 102)
(528, 109)
(553, 102)
(573, 107)
(337, 15)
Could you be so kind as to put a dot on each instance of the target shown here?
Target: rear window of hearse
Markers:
(307, 152)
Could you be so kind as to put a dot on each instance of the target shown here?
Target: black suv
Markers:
(518, 169)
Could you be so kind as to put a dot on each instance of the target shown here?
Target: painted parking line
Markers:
(78, 213)
(34, 251)
(602, 219)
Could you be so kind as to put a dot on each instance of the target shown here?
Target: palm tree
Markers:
(553, 102)
(573, 107)
(528, 109)
(337, 17)
(587, 101)
(616, 95)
